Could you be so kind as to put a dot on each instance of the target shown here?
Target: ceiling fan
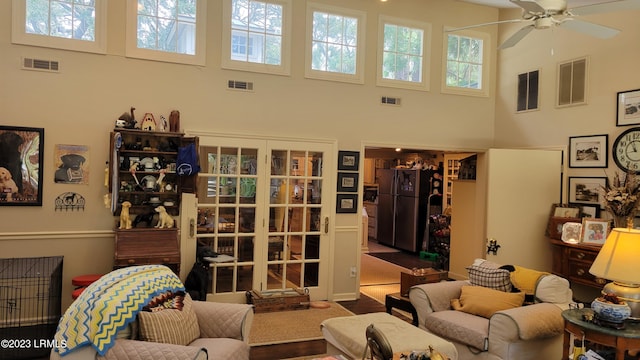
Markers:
(543, 14)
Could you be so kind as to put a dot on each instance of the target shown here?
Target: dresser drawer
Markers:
(147, 246)
(582, 255)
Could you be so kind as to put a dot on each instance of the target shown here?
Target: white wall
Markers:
(80, 104)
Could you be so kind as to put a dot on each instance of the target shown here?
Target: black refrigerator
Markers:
(402, 207)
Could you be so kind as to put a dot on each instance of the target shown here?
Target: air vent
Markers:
(240, 85)
(385, 100)
(40, 65)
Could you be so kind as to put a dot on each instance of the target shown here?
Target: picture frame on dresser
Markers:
(595, 231)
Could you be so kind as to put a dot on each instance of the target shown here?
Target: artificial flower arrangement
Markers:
(621, 198)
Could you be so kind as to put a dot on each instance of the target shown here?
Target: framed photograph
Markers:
(554, 229)
(588, 151)
(562, 210)
(571, 232)
(586, 190)
(21, 154)
(590, 211)
(71, 163)
(595, 231)
(348, 160)
(347, 182)
(628, 108)
(347, 203)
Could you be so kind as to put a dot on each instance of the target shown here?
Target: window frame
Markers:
(132, 50)
(20, 36)
(585, 80)
(424, 84)
(528, 93)
(361, 16)
(486, 58)
(287, 25)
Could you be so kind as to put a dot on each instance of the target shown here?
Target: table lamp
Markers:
(619, 261)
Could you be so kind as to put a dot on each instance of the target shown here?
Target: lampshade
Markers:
(618, 261)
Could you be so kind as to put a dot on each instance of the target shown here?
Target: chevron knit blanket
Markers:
(110, 304)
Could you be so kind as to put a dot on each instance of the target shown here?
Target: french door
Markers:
(262, 207)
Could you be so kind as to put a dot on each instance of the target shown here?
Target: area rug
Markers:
(292, 326)
(405, 260)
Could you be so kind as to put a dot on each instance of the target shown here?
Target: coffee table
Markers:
(396, 300)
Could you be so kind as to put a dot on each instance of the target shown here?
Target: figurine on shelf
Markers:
(127, 121)
(164, 219)
(125, 218)
(174, 121)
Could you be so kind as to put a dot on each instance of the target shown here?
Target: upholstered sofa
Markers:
(182, 329)
(485, 322)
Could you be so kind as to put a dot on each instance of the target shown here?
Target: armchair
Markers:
(525, 332)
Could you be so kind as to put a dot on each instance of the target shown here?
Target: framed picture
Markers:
(586, 190)
(595, 231)
(628, 108)
(562, 211)
(571, 232)
(590, 211)
(21, 154)
(554, 229)
(71, 163)
(347, 182)
(347, 203)
(348, 160)
(588, 151)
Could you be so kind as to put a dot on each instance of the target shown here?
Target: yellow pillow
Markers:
(526, 279)
(482, 301)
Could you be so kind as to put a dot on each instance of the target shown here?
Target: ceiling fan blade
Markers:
(483, 24)
(515, 38)
(585, 27)
(606, 7)
(530, 6)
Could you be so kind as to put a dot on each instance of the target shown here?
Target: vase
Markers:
(623, 221)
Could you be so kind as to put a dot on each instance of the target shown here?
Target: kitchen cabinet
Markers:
(369, 171)
(573, 261)
(143, 170)
(144, 246)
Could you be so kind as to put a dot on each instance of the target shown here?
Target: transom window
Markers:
(65, 24)
(166, 30)
(401, 54)
(466, 54)
(336, 43)
(256, 35)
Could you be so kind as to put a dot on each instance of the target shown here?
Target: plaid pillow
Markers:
(490, 277)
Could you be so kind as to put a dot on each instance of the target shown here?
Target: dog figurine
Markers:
(8, 187)
(164, 219)
(144, 218)
(125, 218)
(10, 158)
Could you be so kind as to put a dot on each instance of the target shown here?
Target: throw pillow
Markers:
(168, 300)
(481, 301)
(171, 326)
(488, 276)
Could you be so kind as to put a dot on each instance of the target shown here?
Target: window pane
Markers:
(464, 65)
(251, 22)
(147, 32)
(533, 90)
(147, 7)
(390, 37)
(167, 25)
(522, 92)
(335, 45)
(61, 18)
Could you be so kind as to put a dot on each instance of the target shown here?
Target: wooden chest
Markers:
(278, 300)
(428, 275)
(143, 246)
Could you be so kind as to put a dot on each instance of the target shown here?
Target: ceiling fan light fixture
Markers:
(544, 23)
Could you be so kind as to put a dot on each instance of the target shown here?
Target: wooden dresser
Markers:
(143, 246)
(572, 261)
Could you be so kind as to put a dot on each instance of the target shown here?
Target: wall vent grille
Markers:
(240, 85)
(385, 100)
(40, 65)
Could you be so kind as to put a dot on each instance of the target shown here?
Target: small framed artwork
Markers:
(562, 210)
(554, 228)
(347, 182)
(21, 164)
(348, 160)
(347, 203)
(571, 232)
(595, 231)
(628, 108)
(590, 211)
(586, 190)
(588, 151)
